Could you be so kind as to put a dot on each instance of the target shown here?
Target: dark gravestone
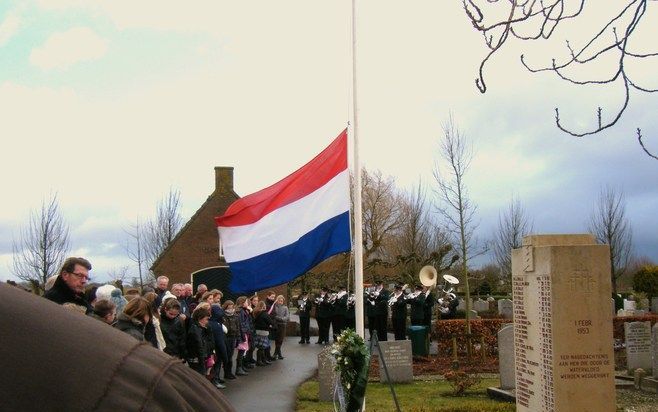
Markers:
(397, 355)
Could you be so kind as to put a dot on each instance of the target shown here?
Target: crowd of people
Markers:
(201, 329)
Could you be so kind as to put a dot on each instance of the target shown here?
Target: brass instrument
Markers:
(448, 295)
(393, 299)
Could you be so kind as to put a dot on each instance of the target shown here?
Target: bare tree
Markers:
(609, 224)
(382, 212)
(118, 276)
(418, 236)
(42, 246)
(136, 249)
(611, 44)
(163, 228)
(513, 224)
(455, 205)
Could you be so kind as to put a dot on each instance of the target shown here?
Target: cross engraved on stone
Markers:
(581, 281)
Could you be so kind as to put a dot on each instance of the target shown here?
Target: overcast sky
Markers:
(109, 104)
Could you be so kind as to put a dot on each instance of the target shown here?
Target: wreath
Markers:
(352, 364)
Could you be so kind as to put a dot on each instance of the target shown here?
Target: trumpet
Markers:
(393, 299)
(413, 295)
(332, 298)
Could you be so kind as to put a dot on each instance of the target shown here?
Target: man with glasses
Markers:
(70, 284)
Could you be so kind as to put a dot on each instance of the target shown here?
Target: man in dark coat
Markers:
(106, 371)
(398, 306)
(339, 312)
(381, 312)
(304, 306)
(70, 284)
(428, 307)
(323, 315)
(417, 307)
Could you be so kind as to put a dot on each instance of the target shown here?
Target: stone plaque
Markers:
(397, 354)
(654, 336)
(638, 346)
(562, 325)
(326, 374)
(506, 356)
(505, 308)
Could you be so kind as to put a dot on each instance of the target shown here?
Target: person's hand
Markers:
(182, 317)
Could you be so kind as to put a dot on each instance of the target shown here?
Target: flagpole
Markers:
(358, 215)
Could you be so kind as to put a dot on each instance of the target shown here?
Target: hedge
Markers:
(444, 330)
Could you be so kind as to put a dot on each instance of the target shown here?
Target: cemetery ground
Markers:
(433, 393)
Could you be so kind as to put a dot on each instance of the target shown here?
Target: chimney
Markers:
(223, 179)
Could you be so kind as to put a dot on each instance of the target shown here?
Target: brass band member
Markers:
(417, 302)
(323, 316)
(381, 311)
(398, 306)
(339, 312)
(304, 304)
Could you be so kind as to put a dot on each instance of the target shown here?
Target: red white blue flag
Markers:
(277, 234)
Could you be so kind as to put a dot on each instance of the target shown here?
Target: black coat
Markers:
(381, 303)
(173, 332)
(61, 293)
(417, 307)
(399, 309)
(340, 306)
(263, 321)
(199, 342)
(324, 309)
(429, 304)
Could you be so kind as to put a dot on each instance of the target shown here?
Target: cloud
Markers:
(9, 27)
(64, 49)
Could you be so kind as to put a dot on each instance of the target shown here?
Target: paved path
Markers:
(273, 388)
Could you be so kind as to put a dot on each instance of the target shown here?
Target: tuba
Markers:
(448, 296)
(428, 276)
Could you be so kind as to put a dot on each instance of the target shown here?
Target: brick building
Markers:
(193, 255)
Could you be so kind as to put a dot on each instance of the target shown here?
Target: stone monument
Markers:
(638, 346)
(326, 374)
(562, 325)
(398, 357)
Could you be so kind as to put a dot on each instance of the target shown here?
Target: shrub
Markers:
(460, 381)
(444, 330)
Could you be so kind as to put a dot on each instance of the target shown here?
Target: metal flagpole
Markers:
(358, 215)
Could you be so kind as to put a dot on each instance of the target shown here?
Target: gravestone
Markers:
(654, 336)
(622, 312)
(397, 354)
(505, 308)
(462, 304)
(638, 345)
(629, 305)
(326, 374)
(506, 356)
(562, 325)
(481, 305)
(474, 314)
(654, 305)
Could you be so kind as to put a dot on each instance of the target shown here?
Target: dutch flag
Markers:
(277, 234)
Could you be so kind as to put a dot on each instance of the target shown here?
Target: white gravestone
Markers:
(629, 305)
(506, 356)
(638, 346)
(505, 308)
(326, 374)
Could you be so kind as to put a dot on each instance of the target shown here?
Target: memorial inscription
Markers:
(398, 357)
(562, 320)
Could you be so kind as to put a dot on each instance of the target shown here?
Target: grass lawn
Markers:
(418, 396)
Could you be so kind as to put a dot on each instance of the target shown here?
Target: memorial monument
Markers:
(562, 325)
